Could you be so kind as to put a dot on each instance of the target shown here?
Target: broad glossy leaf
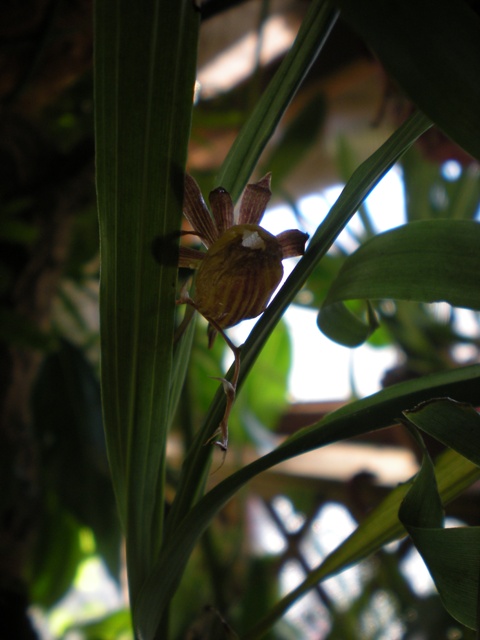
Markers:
(432, 49)
(427, 261)
(453, 558)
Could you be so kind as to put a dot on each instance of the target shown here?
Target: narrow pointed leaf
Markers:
(381, 527)
(249, 144)
(145, 55)
(374, 412)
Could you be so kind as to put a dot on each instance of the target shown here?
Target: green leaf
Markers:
(263, 396)
(347, 163)
(455, 424)
(145, 58)
(432, 49)
(338, 323)
(421, 181)
(451, 555)
(428, 261)
(420, 497)
(252, 139)
(262, 591)
(358, 187)
(422, 501)
(453, 559)
(299, 136)
(380, 527)
(374, 412)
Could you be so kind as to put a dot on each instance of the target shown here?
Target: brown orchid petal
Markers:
(254, 201)
(196, 212)
(222, 208)
(190, 258)
(292, 243)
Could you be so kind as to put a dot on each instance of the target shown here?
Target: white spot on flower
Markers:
(252, 240)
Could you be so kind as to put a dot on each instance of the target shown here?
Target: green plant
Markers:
(155, 366)
(141, 154)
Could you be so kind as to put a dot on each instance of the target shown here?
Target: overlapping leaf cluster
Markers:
(145, 66)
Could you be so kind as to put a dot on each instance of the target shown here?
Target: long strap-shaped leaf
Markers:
(382, 526)
(443, 420)
(245, 152)
(233, 176)
(374, 412)
(145, 56)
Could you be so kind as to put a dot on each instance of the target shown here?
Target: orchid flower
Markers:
(241, 267)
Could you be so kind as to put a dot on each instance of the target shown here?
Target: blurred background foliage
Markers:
(56, 502)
